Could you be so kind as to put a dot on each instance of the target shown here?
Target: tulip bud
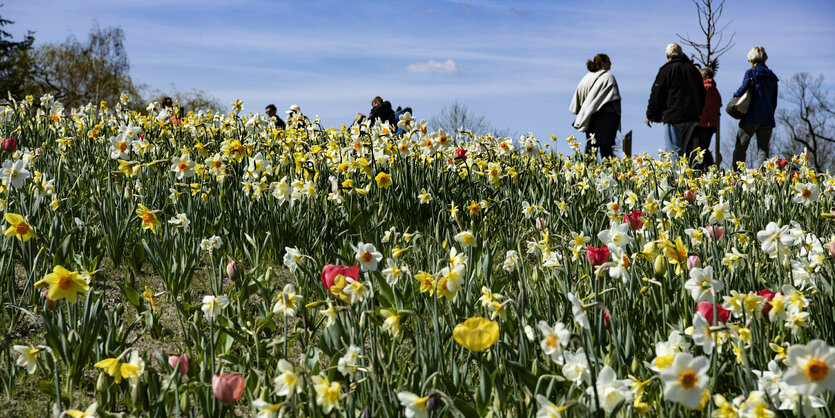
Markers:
(716, 232)
(689, 195)
(660, 266)
(50, 303)
(693, 261)
(540, 223)
(9, 145)
(606, 321)
(433, 402)
(832, 248)
(366, 412)
(232, 271)
(179, 363)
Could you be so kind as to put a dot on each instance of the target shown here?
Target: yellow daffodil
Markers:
(63, 284)
(19, 228)
(149, 219)
(383, 180)
(117, 369)
(150, 298)
(476, 334)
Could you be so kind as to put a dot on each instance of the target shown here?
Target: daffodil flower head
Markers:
(63, 284)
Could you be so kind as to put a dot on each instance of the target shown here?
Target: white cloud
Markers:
(433, 66)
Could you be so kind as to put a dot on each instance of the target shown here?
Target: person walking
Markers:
(596, 103)
(759, 120)
(677, 99)
(708, 122)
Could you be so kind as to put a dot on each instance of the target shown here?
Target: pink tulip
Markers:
(181, 361)
(330, 272)
(689, 195)
(461, 153)
(232, 271)
(706, 309)
(693, 261)
(228, 388)
(832, 248)
(715, 232)
(597, 256)
(540, 223)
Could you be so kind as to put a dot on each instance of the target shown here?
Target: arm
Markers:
(655, 105)
(745, 80)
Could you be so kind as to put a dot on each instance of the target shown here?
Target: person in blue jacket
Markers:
(760, 117)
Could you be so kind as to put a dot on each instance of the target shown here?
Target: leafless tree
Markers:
(714, 44)
(456, 117)
(808, 122)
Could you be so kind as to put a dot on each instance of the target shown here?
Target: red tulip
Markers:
(716, 232)
(606, 321)
(330, 272)
(634, 219)
(228, 388)
(181, 361)
(767, 296)
(597, 256)
(461, 153)
(782, 163)
(706, 309)
(689, 195)
(9, 145)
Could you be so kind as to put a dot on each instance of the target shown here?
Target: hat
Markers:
(293, 108)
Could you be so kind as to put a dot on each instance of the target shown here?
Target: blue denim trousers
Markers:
(676, 135)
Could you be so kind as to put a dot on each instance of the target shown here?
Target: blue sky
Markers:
(516, 62)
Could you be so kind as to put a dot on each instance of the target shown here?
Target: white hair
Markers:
(757, 55)
(674, 50)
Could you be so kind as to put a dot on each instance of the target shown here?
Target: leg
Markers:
(743, 138)
(607, 131)
(687, 139)
(672, 138)
(763, 143)
(607, 151)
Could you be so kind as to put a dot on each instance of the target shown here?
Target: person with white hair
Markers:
(762, 83)
(677, 99)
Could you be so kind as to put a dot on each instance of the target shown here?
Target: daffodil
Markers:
(27, 357)
(18, 227)
(63, 284)
(117, 369)
(383, 180)
(149, 219)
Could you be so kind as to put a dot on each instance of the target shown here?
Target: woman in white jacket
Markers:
(597, 106)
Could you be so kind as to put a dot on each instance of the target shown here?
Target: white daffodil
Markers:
(686, 379)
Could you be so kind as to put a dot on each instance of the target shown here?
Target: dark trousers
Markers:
(743, 138)
(701, 138)
(604, 125)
